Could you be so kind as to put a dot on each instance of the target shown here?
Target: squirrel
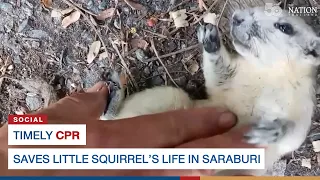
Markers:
(269, 83)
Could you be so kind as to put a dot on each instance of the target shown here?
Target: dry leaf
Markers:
(73, 17)
(56, 13)
(66, 11)
(306, 163)
(316, 146)
(103, 55)
(47, 3)
(139, 43)
(106, 14)
(134, 5)
(201, 5)
(210, 18)
(194, 67)
(151, 22)
(179, 18)
(93, 51)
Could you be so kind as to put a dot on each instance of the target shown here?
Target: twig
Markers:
(71, 3)
(205, 13)
(83, 9)
(173, 53)
(124, 65)
(162, 36)
(224, 7)
(156, 52)
(202, 5)
(156, 34)
(285, 4)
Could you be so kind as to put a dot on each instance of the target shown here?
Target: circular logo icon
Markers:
(272, 9)
(268, 9)
(277, 10)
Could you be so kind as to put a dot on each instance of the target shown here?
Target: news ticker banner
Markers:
(159, 178)
(34, 130)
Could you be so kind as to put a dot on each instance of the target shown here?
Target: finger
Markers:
(231, 139)
(97, 87)
(78, 107)
(165, 129)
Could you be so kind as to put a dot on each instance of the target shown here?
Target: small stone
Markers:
(146, 70)
(103, 5)
(6, 7)
(306, 163)
(141, 56)
(33, 102)
(172, 46)
(35, 44)
(316, 146)
(38, 34)
(17, 60)
(23, 25)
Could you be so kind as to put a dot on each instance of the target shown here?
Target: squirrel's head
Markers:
(269, 36)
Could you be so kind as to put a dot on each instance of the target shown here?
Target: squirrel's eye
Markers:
(285, 28)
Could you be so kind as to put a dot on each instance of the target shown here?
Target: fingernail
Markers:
(102, 86)
(227, 120)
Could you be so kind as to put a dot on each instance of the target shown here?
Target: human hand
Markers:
(193, 128)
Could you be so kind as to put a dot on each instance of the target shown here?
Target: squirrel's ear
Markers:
(313, 48)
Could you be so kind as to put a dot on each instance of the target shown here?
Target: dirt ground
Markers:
(34, 45)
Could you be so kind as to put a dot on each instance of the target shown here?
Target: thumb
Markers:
(78, 107)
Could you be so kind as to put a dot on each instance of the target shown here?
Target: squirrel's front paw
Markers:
(267, 132)
(115, 96)
(208, 36)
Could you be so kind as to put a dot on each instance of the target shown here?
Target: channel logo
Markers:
(271, 9)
